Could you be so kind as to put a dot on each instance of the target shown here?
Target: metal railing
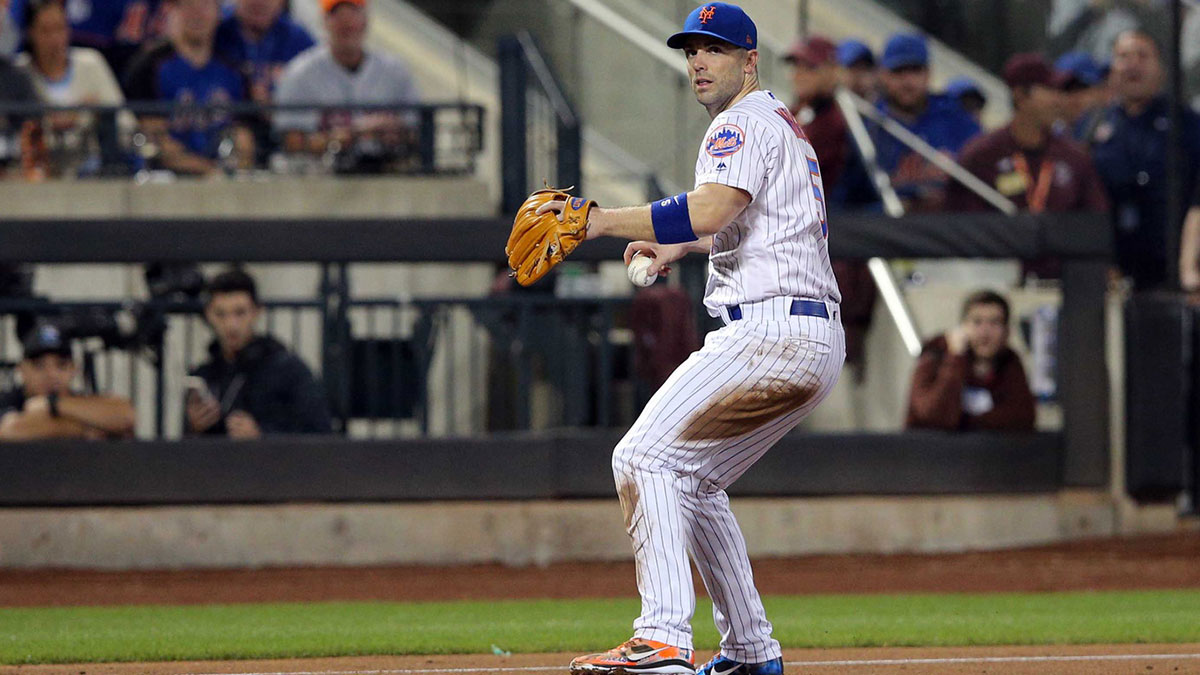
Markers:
(541, 133)
(42, 141)
(389, 367)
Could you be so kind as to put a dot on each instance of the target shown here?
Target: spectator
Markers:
(70, 76)
(44, 406)
(858, 63)
(1084, 93)
(1189, 249)
(1130, 150)
(260, 38)
(115, 28)
(184, 70)
(935, 118)
(345, 73)
(969, 379)
(254, 386)
(814, 79)
(1026, 161)
(969, 95)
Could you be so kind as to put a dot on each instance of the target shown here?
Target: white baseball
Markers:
(638, 275)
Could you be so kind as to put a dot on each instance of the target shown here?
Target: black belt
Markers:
(799, 308)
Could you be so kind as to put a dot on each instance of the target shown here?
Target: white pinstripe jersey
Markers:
(778, 245)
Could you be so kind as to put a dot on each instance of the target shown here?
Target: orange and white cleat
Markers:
(638, 656)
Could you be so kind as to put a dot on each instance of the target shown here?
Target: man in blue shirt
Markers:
(260, 38)
(1130, 149)
(184, 70)
(938, 119)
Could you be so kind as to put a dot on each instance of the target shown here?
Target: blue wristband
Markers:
(672, 224)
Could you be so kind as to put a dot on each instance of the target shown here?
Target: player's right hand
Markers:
(662, 254)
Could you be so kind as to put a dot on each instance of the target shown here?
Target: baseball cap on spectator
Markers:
(852, 53)
(1078, 68)
(1027, 70)
(963, 86)
(816, 51)
(46, 338)
(328, 6)
(720, 20)
(905, 51)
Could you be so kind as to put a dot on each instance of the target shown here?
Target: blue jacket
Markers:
(261, 62)
(944, 124)
(1130, 153)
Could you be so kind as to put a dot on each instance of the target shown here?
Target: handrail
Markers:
(881, 271)
(546, 80)
(934, 156)
(655, 48)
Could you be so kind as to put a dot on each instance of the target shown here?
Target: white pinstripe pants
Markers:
(718, 413)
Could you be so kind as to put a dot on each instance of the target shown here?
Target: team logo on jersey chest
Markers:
(726, 140)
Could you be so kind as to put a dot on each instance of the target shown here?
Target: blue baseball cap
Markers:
(961, 86)
(720, 20)
(853, 52)
(1078, 66)
(905, 51)
(46, 338)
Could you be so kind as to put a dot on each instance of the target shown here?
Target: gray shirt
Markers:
(314, 78)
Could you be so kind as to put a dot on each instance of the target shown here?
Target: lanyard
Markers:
(1035, 194)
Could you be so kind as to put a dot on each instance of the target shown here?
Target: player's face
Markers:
(232, 317)
(50, 34)
(1137, 71)
(987, 330)
(259, 14)
(906, 88)
(717, 69)
(47, 373)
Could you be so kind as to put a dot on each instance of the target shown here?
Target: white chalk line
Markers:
(790, 664)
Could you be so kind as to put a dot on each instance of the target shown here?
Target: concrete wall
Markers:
(540, 532)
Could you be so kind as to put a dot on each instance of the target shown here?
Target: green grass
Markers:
(151, 633)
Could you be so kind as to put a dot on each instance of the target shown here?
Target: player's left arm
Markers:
(710, 208)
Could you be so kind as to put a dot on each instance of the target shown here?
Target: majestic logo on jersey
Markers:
(706, 14)
(721, 167)
(725, 141)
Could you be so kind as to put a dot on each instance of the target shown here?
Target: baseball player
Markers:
(758, 211)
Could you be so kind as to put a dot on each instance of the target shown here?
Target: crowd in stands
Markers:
(1083, 136)
(251, 385)
(196, 55)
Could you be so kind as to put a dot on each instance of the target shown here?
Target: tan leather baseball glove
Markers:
(539, 242)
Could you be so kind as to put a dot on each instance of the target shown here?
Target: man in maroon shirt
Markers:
(1028, 163)
(814, 77)
(969, 379)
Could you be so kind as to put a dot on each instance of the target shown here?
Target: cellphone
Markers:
(198, 385)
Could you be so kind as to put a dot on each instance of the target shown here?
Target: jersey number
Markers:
(814, 172)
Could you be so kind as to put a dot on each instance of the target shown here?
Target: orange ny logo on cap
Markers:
(707, 13)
